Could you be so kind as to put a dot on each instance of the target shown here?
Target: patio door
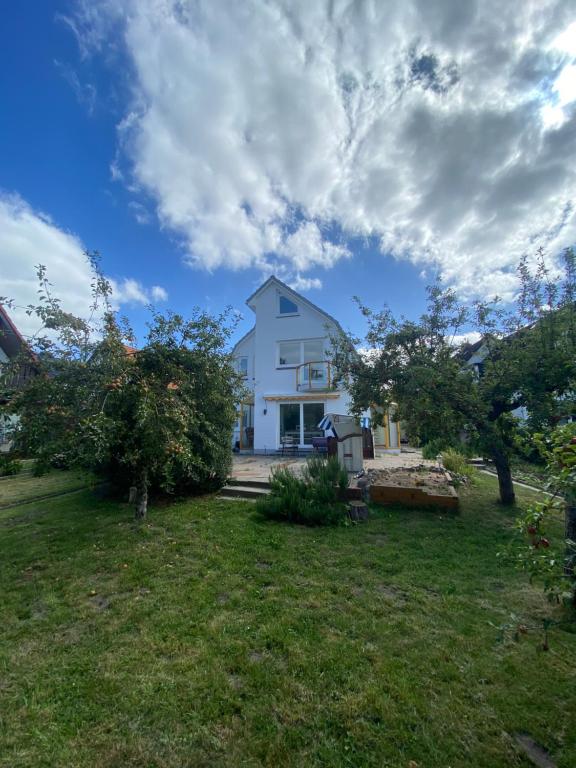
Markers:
(312, 415)
(290, 422)
(299, 421)
(246, 425)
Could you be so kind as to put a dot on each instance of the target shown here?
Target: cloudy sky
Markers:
(348, 146)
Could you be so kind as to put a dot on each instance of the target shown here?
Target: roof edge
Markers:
(243, 338)
(274, 280)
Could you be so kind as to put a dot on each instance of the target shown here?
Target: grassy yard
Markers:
(210, 638)
(18, 488)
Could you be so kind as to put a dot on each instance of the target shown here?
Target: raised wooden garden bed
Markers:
(413, 487)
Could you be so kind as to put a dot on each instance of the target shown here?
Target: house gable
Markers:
(286, 296)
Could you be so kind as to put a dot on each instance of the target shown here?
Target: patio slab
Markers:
(259, 467)
(256, 467)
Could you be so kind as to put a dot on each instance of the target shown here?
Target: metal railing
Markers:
(314, 376)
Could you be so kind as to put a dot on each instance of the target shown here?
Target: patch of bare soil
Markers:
(392, 593)
(99, 602)
(533, 751)
(431, 479)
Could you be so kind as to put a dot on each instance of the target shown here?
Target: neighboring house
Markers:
(12, 346)
(284, 360)
(474, 356)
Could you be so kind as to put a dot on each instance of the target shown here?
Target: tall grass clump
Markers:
(456, 463)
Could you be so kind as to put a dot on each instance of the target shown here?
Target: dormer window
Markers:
(286, 306)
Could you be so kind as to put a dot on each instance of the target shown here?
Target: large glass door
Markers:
(290, 422)
(246, 425)
(299, 422)
(312, 415)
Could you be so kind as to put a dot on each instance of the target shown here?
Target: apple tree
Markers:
(156, 418)
(528, 351)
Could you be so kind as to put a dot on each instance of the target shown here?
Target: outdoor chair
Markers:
(288, 444)
(320, 444)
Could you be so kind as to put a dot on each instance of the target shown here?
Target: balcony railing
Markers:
(314, 376)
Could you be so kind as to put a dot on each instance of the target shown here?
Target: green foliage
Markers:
(433, 448)
(9, 465)
(41, 466)
(527, 359)
(456, 462)
(549, 559)
(524, 445)
(312, 499)
(159, 418)
(326, 472)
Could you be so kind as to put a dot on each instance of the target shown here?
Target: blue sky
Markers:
(349, 148)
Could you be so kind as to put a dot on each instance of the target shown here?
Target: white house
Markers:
(285, 363)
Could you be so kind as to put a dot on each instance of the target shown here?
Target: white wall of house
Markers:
(272, 379)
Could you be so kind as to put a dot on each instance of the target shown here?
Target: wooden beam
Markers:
(299, 398)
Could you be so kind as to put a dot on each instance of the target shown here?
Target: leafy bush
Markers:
(524, 445)
(456, 463)
(41, 467)
(9, 465)
(434, 448)
(546, 554)
(312, 499)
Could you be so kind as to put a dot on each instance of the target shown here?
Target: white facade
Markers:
(285, 360)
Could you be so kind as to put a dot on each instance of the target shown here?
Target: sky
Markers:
(351, 147)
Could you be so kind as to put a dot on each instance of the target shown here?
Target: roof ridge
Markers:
(274, 279)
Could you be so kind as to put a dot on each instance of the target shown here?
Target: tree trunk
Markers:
(502, 464)
(570, 531)
(142, 496)
(571, 519)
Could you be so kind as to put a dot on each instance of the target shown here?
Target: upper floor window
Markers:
(243, 366)
(286, 306)
(289, 353)
(293, 353)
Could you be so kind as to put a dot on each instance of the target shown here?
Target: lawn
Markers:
(18, 488)
(207, 637)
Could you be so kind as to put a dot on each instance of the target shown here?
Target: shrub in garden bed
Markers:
(310, 499)
(9, 465)
(456, 463)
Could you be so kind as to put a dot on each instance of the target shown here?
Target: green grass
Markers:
(18, 488)
(528, 472)
(210, 638)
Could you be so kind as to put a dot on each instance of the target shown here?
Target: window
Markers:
(243, 366)
(290, 421)
(286, 307)
(289, 353)
(313, 351)
(299, 421)
(294, 353)
(312, 415)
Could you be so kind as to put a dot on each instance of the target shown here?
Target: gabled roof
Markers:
(251, 331)
(273, 280)
(11, 340)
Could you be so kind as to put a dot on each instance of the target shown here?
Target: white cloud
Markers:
(469, 338)
(138, 210)
(128, 291)
(260, 128)
(158, 293)
(300, 283)
(29, 238)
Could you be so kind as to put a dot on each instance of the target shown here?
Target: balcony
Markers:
(315, 376)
